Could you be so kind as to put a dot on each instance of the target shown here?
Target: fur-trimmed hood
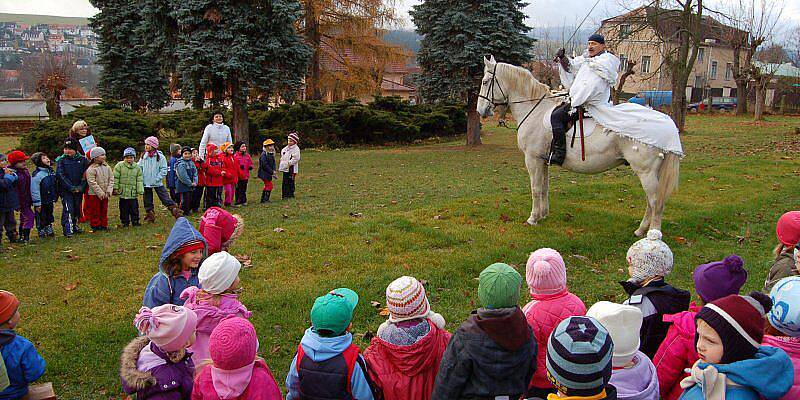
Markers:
(237, 231)
(220, 229)
(128, 371)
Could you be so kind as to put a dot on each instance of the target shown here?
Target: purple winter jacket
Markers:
(149, 372)
(24, 188)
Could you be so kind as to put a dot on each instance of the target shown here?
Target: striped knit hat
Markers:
(739, 322)
(294, 136)
(579, 357)
(406, 299)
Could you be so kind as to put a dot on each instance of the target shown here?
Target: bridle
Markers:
(507, 103)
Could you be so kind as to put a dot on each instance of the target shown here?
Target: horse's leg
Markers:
(536, 170)
(649, 180)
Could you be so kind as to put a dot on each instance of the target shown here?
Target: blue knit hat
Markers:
(785, 313)
(129, 151)
(579, 355)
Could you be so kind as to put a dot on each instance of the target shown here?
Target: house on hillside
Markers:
(633, 38)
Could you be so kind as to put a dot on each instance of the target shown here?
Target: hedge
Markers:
(386, 120)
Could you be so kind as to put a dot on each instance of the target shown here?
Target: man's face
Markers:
(595, 48)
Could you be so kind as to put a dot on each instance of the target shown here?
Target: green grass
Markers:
(439, 212)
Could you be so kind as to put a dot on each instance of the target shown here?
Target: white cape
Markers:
(590, 87)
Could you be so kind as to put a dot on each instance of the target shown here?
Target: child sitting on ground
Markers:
(220, 229)
(157, 365)
(177, 266)
(579, 354)
(326, 356)
(235, 371)
(44, 193)
(785, 264)
(186, 180)
(405, 354)
(551, 302)
(100, 178)
(129, 185)
(71, 171)
(649, 262)
(266, 169)
(733, 364)
(245, 164)
(783, 328)
(493, 353)
(16, 160)
(9, 202)
(633, 374)
(21, 364)
(712, 281)
(217, 300)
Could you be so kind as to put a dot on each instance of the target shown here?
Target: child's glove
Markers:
(115, 192)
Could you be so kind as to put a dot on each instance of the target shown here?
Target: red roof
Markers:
(391, 86)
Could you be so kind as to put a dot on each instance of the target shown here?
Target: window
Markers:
(698, 81)
(645, 64)
(623, 62)
(713, 70)
(624, 31)
(701, 52)
(728, 71)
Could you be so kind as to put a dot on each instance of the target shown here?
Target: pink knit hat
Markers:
(546, 272)
(168, 326)
(152, 141)
(406, 299)
(788, 228)
(233, 344)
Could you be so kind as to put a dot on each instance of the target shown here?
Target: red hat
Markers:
(210, 148)
(16, 156)
(739, 321)
(189, 247)
(788, 228)
(8, 306)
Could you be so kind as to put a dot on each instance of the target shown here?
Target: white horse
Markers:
(531, 101)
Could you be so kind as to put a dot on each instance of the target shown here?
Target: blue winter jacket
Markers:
(768, 374)
(9, 201)
(154, 169)
(320, 348)
(186, 174)
(44, 188)
(163, 289)
(171, 173)
(71, 173)
(23, 364)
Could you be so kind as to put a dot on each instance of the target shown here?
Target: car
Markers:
(721, 103)
(652, 98)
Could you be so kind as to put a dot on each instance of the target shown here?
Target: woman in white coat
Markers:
(216, 132)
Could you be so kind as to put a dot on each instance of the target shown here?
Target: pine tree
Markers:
(456, 36)
(130, 75)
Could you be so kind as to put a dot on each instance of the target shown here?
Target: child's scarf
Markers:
(712, 382)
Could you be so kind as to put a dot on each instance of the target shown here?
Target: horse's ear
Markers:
(488, 60)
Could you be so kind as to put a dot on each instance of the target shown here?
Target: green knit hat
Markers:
(499, 286)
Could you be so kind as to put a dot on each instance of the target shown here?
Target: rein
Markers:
(507, 102)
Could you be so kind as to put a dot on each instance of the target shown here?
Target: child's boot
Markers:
(12, 236)
(50, 231)
(176, 212)
(150, 216)
(25, 235)
(265, 196)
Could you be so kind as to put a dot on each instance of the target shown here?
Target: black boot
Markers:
(558, 147)
(25, 235)
(265, 196)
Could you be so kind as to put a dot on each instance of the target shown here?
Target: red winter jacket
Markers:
(245, 165)
(676, 352)
(262, 386)
(407, 372)
(212, 169)
(220, 228)
(231, 167)
(201, 175)
(543, 314)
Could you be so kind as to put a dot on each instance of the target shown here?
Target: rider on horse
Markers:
(589, 78)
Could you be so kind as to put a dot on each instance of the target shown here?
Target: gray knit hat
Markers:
(649, 257)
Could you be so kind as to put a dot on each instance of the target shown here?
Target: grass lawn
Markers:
(439, 212)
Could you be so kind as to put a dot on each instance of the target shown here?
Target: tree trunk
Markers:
(241, 121)
(473, 121)
(758, 108)
(741, 96)
(53, 106)
(313, 39)
(740, 77)
(198, 100)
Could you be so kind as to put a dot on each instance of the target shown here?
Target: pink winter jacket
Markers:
(208, 317)
(676, 353)
(232, 385)
(544, 313)
(792, 347)
(220, 228)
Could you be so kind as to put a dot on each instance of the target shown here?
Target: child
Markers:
(493, 353)
(71, 169)
(16, 159)
(21, 363)
(214, 170)
(733, 364)
(186, 179)
(649, 261)
(154, 169)
(174, 156)
(785, 264)
(245, 166)
(9, 201)
(236, 371)
(326, 356)
(129, 185)
(266, 169)
(177, 266)
(197, 193)
(216, 301)
(633, 374)
(579, 354)
(230, 175)
(404, 356)
(290, 163)
(783, 329)
(551, 302)
(44, 193)
(100, 178)
(157, 365)
(712, 281)
(220, 229)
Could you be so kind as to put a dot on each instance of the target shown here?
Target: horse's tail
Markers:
(668, 173)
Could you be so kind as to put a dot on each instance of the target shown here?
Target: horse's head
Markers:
(490, 93)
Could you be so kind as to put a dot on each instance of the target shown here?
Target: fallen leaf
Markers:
(437, 217)
(285, 216)
(580, 257)
(275, 349)
(504, 218)
(73, 257)
(681, 239)
(376, 304)
(67, 251)
(245, 260)
(72, 286)
(152, 247)
(279, 230)
(356, 214)
(384, 312)
(570, 233)
(159, 236)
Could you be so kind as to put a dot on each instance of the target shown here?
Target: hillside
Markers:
(32, 19)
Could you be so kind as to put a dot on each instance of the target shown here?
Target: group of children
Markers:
(85, 183)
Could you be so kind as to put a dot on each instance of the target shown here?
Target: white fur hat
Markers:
(623, 323)
(649, 257)
(218, 272)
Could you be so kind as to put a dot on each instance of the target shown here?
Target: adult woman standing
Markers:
(79, 130)
(216, 132)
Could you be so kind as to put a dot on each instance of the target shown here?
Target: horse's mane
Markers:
(523, 79)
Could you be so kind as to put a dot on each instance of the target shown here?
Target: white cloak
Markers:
(590, 87)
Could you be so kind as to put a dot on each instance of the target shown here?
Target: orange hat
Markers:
(8, 306)
(224, 146)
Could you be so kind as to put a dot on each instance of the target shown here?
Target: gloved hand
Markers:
(562, 59)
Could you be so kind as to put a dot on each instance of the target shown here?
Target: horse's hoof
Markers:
(639, 232)
(529, 223)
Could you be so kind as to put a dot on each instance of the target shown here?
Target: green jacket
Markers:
(128, 180)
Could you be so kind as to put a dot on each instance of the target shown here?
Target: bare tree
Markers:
(50, 75)
(629, 69)
(763, 71)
